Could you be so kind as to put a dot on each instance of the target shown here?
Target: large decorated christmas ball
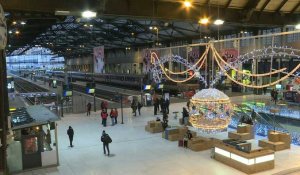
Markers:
(212, 110)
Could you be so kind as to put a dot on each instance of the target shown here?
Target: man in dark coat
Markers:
(88, 109)
(106, 140)
(70, 133)
(167, 104)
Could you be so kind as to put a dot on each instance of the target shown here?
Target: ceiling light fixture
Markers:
(204, 21)
(14, 22)
(218, 22)
(23, 23)
(150, 27)
(88, 14)
(17, 32)
(187, 4)
(10, 32)
(297, 27)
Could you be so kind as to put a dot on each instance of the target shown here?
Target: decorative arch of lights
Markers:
(213, 108)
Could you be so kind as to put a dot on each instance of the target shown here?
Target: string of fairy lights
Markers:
(224, 67)
(213, 107)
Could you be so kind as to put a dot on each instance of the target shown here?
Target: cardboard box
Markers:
(173, 137)
(273, 137)
(241, 129)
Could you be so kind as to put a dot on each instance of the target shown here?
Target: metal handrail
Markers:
(261, 119)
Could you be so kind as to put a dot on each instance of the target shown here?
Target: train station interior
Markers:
(144, 87)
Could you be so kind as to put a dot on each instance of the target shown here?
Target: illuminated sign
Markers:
(147, 87)
(160, 86)
(244, 160)
(67, 93)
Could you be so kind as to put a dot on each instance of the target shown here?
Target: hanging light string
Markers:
(244, 73)
(266, 52)
(154, 56)
(255, 86)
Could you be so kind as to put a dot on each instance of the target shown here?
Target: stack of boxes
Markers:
(276, 141)
(174, 134)
(154, 127)
(244, 132)
(200, 143)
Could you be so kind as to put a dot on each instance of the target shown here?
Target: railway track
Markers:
(23, 86)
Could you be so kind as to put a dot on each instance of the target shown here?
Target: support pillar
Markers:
(3, 112)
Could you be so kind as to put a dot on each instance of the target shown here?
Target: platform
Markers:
(136, 152)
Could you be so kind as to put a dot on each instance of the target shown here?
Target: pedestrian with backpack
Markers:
(104, 116)
(70, 133)
(106, 140)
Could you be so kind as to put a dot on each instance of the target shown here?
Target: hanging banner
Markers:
(193, 55)
(230, 55)
(99, 59)
(3, 29)
(147, 60)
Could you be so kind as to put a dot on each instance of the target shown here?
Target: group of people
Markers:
(104, 115)
(161, 103)
(105, 139)
(113, 115)
(136, 105)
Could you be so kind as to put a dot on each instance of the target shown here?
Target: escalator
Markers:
(262, 122)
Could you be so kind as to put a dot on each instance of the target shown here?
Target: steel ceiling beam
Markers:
(295, 8)
(283, 2)
(250, 9)
(162, 10)
(228, 4)
(264, 5)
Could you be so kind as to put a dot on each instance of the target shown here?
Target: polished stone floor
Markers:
(136, 152)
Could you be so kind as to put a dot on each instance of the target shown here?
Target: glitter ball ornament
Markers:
(214, 110)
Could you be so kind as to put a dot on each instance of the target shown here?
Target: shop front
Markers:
(33, 141)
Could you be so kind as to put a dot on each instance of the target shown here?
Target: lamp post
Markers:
(157, 30)
(121, 101)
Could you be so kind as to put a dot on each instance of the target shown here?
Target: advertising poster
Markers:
(193, 55)
(230, 55)
(99, 59)
(146, 61)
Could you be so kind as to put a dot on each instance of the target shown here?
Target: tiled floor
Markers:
(136, 152)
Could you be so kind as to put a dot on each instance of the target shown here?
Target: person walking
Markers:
(167, 104)
(116, 115)
(48, 140)
(88, 109)
(156, 105)
(106, 140)
(139, 107)
(112, 116)
(185, 116)
(188, 105)
(272, 94)
(70, 133)
(134, 106)
(275, 96)
(104, 116)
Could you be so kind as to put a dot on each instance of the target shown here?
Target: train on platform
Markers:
(135, 82)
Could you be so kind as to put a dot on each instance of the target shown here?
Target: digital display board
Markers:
(67, 93)
(147, 87)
